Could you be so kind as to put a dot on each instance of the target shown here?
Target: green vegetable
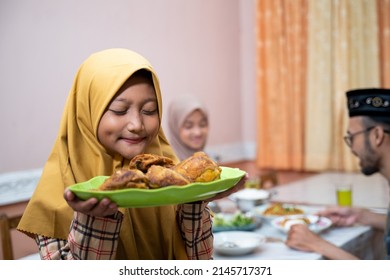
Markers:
(237, 220)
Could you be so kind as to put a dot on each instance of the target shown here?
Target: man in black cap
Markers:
(368, 136)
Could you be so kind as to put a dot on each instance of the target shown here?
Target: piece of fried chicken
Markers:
(124, 179)
(199, 168)
(160, 176)
(144, 161)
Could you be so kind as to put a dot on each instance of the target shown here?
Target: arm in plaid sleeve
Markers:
(195, 223)
(93, 238)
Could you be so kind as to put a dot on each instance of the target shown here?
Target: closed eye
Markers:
(149, 113)
(118, 112)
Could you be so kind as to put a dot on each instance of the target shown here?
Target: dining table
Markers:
(320, 189)
(313, 194)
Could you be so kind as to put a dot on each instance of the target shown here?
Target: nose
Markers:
(197, 131)
(135, 122)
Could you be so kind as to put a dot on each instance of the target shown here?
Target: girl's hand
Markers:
(92, 206)
(239, 186)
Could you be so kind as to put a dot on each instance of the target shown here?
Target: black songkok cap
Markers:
(373, 102)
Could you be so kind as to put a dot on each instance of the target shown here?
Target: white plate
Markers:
(259, 211)
(317, 224)
(236, 243)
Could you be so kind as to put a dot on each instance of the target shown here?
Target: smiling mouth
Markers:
(133, 140)
(197, 140)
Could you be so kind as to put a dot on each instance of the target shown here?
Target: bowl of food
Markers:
(247, 199)
(235, 221)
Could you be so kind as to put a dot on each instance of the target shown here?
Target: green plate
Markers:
(163, 196)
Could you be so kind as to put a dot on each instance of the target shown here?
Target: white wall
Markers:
(198, 46)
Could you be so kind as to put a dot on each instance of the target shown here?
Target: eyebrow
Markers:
(120, 99)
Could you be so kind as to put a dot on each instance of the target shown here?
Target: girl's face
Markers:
(194, 131)
(131, 120)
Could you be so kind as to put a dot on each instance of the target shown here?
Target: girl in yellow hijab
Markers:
(113, 112)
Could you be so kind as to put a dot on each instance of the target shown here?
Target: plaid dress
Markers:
(96, 238)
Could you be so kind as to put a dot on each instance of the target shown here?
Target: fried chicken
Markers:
(148, 171)
(144, 161)
(199, 168)
(160, 176)
(124, 179)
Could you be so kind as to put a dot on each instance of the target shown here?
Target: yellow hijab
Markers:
(77, 156)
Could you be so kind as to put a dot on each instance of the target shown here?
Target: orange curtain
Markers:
(384, 41)
(343, 53)
(294, 82)
(281, 66)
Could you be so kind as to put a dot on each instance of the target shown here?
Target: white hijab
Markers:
(178, 111)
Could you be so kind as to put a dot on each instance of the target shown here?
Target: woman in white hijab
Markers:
(188, 125)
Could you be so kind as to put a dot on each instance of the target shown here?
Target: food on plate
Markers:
(287, 222)
(199, 168)
(313, 222)
(278, 209)
(144, 161)
(148, 171)
(160, 176)
(238, 219)
(124, 179)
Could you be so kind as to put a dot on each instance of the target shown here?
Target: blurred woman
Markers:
(188, 125)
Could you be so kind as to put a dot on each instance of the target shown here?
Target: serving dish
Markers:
(249, 198)
(315, 223)
(288, 209)
(236, 243)
(235, 222)
(137, 198)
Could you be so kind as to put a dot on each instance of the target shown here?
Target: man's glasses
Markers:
(349, 138)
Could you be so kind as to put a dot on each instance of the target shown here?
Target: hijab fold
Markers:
(77, 156)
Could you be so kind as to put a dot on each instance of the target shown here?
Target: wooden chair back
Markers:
(6, 225)
(268, 180)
